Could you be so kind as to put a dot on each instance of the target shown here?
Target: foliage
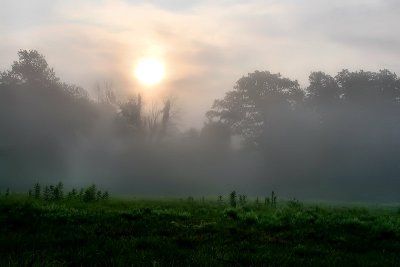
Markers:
(242, 200)
(105, 195)
(339, 129)
(262, 100)
(53, 193)
(37, 191)
(90, 194)
(232, 213)
(72, 194)
(232, 199)
(151, 232)
(271, 201)
(132, 112)
(294, 204)
(248, 107)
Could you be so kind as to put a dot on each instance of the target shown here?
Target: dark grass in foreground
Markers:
(168, 232)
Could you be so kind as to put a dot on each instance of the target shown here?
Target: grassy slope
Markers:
(182, 233)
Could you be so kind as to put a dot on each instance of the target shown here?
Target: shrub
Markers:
(105, 195)
(37, 191)
(294, 204)
(267, 201)
(242, 199)
(231, 213)
(81, 193)
(46, 193)
(273, 199)
(60, 191)
(73, 194)
(90, 194)
(98, 195)
(250, 218)
(232, 199)
(56, 193)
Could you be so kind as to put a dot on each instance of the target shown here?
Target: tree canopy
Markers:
(330, 137)
(250, 106)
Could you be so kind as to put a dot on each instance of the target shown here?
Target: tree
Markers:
(31, 67)
(39, 114)
(153, 124)
(106, 94)
(323, 90)
(255, 103)
(132, 112)
(165, 118)
(216, 136)
(370, 89)
(157, 120)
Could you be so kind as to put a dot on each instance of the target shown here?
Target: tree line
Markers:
(326, 139)
(340, 131)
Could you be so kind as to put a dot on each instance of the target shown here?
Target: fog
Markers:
(205, 45)
(335, 139)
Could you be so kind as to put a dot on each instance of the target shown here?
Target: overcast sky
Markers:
(206, 45)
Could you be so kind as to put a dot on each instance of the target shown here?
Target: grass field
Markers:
(195, 232)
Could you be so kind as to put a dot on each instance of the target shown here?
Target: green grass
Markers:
(173, 232)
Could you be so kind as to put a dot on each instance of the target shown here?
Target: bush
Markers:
(294, 204)
(250, 218)
(60, 191)
(232, 213)
(56, 193)
(46, 193)
(105, 196)
(242, 199)
(271, 201)
(37, 191)
(90, 194)
(73, 194)
(232, 199)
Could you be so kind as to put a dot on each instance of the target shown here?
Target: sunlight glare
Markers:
(150, 71)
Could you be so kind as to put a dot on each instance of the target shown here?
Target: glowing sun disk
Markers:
(150, 71)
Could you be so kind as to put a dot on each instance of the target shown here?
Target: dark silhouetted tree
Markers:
(251, 106)
(132, 112)
(165, 118)
(323, 91)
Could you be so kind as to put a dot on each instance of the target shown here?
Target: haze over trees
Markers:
(338, 138)
(337, 134)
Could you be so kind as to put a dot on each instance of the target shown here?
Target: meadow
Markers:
(213, 231)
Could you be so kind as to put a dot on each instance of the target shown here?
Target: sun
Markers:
(150, 71)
